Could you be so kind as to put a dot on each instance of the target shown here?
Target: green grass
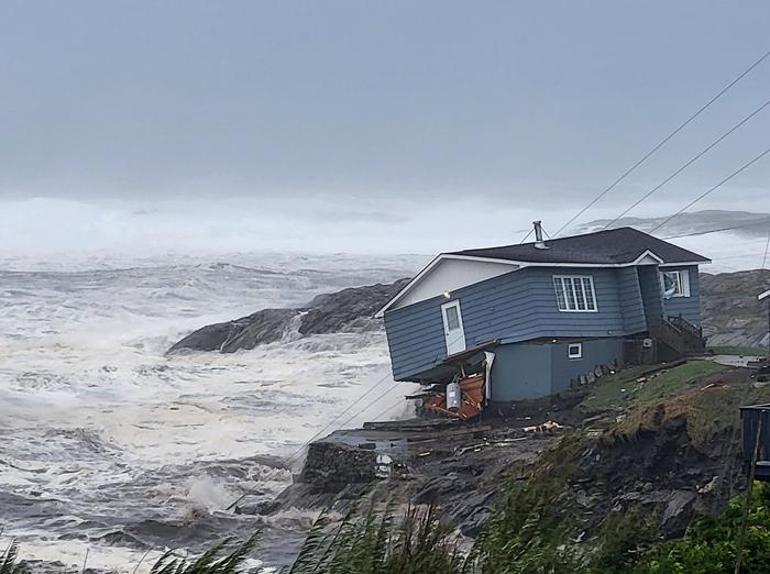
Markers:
(745, 351)
(631, 387)
(379, 543)
(222, 558)
(711, 545)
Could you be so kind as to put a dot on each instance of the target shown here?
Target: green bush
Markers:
(379, 544)
(710, 546)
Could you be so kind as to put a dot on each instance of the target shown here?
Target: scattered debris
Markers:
(709, 486)
(547, 426)
(471, 400)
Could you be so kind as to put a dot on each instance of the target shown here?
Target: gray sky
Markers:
(370, 111)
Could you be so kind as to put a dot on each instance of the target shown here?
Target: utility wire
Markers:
(387, 410)
(692, 160)
(767, 248)
(526, 236)
(384, 378)
(663, 142)
(712, 189)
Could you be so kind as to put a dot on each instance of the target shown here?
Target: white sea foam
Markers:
(122, 448)
(104, 439)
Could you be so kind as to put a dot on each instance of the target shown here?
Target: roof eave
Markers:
(427, 269)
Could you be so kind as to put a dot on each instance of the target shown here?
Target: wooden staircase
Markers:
(679, 335)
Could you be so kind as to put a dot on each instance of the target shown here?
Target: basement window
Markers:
(575, 293)
(575, 350)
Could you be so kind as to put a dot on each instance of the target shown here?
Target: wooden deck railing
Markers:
(679, 334)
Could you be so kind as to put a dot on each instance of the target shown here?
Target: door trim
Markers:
(460, 344)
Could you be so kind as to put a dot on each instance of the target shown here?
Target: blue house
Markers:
(537, 317)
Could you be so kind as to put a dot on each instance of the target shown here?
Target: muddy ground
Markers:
(651, 456)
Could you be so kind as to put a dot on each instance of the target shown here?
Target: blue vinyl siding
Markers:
(517, 306)
(687, 307)
(631, 305)
(652, 293)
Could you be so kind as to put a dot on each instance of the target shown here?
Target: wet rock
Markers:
(331, 466)
(677, 514)
(334, 312)
(349, 310)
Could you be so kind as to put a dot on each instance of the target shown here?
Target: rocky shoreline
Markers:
(349, 310)
(661, 468)
(731, 315)
(647, 458)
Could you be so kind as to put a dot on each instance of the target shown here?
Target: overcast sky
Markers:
(413, 116)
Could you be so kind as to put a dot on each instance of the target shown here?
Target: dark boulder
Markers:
(331, 466)
(351, 309)
(332, 312)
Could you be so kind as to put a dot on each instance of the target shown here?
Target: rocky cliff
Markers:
(731, 313)
(347, 310)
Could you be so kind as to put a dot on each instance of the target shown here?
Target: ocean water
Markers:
(109, 447)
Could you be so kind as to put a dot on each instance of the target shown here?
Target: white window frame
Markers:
(566, 284)
(579, 354)
(683, 282)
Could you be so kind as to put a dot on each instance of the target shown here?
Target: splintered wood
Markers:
(472, 388)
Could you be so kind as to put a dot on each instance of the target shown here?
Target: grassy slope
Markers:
(562, 519)
(632, 387)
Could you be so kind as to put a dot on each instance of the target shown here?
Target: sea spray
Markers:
(110, 445)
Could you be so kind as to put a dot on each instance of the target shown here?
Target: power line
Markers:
(712, 189)
(767, 248)
(692, 160)
(340, 415)
(387, 410)
(663, 142)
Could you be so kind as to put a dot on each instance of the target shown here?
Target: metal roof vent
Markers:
(539, 243)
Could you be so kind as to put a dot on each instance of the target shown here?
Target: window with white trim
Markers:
(575, 350)
(575, 293)
(675, 283)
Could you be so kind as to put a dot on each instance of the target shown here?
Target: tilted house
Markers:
(543, 314)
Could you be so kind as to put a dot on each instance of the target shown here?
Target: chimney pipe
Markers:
(539, 243)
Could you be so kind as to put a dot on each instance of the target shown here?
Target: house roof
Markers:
(620, 247)
(610, 247)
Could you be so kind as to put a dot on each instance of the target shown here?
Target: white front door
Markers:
(453, 327)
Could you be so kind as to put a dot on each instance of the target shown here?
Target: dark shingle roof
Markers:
(613, 246)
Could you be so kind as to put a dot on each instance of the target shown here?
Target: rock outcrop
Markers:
(347, 310)
(731, 313)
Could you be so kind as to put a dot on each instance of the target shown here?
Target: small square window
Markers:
(575, 350)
